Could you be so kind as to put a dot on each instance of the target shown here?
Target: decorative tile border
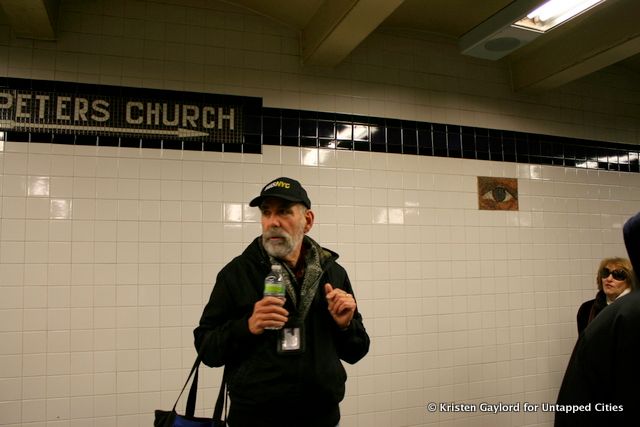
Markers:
(347, 132)
(298, 128)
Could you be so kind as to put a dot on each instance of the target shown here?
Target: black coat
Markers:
(267, 388)
(590, 309)
(603, 369)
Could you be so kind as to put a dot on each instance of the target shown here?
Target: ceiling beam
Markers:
(34, 19)
(613, 34)
(339, 26)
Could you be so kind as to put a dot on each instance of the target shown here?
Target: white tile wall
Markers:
(98, 304)
(107, 255)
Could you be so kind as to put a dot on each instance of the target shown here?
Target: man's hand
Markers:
(342, 306)
(267, 313)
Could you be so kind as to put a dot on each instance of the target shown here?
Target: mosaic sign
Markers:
(117, 111)
(498, 194)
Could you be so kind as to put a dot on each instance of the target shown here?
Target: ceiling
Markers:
(608, 35)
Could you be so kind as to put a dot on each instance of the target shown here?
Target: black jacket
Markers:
(267, 388)
(590, 309)
(602, 371)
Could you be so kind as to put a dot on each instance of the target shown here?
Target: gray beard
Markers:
(280, 250)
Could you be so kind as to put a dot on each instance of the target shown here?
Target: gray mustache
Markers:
(276, 233)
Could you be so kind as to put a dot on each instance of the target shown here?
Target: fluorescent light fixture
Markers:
(511, 27)
(496, 37)
(553, 13)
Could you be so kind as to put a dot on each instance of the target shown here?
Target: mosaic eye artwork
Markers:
(497, 194)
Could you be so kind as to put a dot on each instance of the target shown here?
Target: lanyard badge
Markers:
(291, 338)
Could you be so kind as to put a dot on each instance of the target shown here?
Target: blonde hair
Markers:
(619, 264)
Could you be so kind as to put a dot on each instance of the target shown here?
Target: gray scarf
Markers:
(311, 280)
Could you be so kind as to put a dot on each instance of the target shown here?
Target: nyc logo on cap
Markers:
(280, 184)
(284, 188)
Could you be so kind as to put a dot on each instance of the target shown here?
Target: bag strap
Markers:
(193, 392)
(221, 401)
(194, 369)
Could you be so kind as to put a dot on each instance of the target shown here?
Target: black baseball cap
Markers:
(283, 188)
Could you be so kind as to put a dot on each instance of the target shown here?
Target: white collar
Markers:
(626, 291)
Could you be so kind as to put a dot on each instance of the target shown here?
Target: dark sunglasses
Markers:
(617, 274)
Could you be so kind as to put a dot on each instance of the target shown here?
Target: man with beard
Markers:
(282, 358)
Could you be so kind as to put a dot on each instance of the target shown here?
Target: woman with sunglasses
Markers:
(614, 279)
(602, 374)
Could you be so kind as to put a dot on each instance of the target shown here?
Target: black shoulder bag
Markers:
(173, 419)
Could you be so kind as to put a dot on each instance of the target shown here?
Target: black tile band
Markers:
(348, 132)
